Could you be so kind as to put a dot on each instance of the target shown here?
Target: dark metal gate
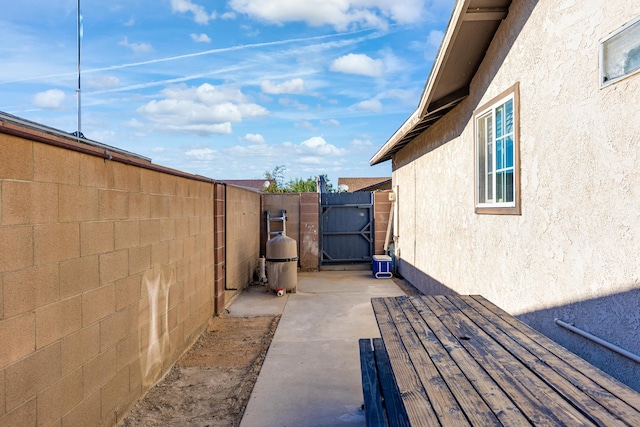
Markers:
(346, 228)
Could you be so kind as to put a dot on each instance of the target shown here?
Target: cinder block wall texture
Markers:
(302, 224)
(309, 231)
(242, 240)
(107, 275)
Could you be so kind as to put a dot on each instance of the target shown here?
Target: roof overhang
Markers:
(471, 28)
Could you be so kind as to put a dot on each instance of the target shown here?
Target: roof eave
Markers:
(429, 109)
(384, 153)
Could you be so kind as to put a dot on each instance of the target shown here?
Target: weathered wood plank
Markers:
(396, 414)
(467, 398)
(586, 380)
(518, 393)
(617, 398)
(442, 400)
(373, 410)
(535, 398)
(417, 405)
(461, 360)
(466, 373)
(525, 353)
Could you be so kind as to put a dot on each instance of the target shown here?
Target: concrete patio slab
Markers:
(257, 301)
(311, 375)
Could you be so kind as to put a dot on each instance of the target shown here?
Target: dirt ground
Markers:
(211, 384)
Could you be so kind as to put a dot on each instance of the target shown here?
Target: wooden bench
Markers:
(461, 360)
(382, 404)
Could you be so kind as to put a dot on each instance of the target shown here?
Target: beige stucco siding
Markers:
(573, 251)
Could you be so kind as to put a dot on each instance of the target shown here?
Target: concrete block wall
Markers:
(275, 203)
(107, 275)
(302, 223)
(309, 231)
(242, 239)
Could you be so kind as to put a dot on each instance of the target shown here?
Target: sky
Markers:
(225, 89)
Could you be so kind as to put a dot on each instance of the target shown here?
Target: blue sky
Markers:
(226, 89)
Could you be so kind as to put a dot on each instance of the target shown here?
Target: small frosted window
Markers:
(620, 53)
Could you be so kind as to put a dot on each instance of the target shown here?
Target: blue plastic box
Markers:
(382, 266)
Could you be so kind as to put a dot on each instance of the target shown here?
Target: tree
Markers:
(298, 185)
(309, 185)
(276, 179)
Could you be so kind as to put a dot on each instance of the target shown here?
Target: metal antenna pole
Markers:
(79, 56)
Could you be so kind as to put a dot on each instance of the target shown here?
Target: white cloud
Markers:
(317, 145)
(137, 48)
(357, 63)
(305, 124)
(392, 63)
(434, 38)
(228, 15)
(430, 46)
(191, 117)
(258, 152)
(311, 160)
(330, 122)
(313, 151)
(254, 138)
(360, 143)
(200, 38)
(51, 99)
(342, 14)
(433, 44)
(294, 86)
(200, 15)
(373, 105)
(252, 110)
(201, 154)
(288, 102)
(406, 97)
(201, 110)
(133, 124)
(102, 135)
(102, 82)
(251, 32)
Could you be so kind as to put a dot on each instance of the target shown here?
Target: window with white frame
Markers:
(497, 155)
(620, 53)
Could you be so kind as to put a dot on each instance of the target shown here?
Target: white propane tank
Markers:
(282, 264)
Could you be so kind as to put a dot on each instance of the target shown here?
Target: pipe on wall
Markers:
(597, 340)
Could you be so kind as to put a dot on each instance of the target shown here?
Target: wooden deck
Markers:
(461, 360)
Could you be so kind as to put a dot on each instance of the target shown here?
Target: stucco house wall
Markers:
(572, 253)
